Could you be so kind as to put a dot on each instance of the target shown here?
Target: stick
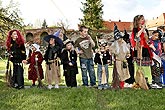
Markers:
(8, 74)
(39, 79)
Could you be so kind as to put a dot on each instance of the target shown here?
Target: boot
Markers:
(121, 84)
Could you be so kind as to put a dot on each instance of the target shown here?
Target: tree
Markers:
(92, 10)
(9, 18)
(44, 25)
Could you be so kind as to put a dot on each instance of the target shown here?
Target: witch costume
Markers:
(35, 57)
(52, 56)
(102, 59)
(16, 50)
(131, 80)
(120, 52)
(69, 61)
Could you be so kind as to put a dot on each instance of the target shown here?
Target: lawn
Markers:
(81, 98)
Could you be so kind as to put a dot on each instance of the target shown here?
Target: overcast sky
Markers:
(69, 10)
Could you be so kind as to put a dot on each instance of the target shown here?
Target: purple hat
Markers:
(57, 33)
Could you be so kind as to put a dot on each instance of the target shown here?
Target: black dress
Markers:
(17, 54)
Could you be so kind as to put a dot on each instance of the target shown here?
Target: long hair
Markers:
(19, 40)
(136, 21)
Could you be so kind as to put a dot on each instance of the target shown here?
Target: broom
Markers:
(139, 78)
(40, 84)
(103, 77)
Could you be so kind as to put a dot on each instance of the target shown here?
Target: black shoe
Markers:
(20, 87)
(33, 85)
(85, 85)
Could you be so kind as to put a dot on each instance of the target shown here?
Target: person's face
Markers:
(142, 21)
(14, 35)
(120, 40)
(69, 46)
(61, 35)
(52, 41)
(84, 33)
(102, 47)
(33, 49)
(155, 36)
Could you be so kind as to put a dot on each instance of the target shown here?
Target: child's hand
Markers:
(70, 64)
(24, 61)
(36, 59)
(128, 55)
(152, 46)
(80, 52)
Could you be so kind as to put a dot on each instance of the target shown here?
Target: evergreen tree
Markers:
(92, 10)
(44, 25)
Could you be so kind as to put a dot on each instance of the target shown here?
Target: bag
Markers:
(124, 64)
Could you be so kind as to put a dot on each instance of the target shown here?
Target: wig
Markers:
(116, 47)
(19, 40)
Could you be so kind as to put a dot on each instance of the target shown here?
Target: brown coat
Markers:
(32, 73)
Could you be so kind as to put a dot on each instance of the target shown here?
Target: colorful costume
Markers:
(32, 72)
(120, 52)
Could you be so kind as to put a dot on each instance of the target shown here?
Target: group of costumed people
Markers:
(132, 55)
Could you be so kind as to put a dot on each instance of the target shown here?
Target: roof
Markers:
(121, 25)
(156, 22)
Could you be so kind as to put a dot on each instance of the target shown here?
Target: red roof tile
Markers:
(121, 25)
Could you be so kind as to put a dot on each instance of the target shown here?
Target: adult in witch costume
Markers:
(35, 57)
(69, 61)
(131, 80)
(52, 56)
(120, 52)
(141, 51)
(16, 49)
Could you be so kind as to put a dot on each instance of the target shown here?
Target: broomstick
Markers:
(103, 77)
(140, 79)
(8, 75)
(40, 85)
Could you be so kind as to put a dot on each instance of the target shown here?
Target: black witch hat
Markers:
(66, 40)
(117, 34)
(54, 36)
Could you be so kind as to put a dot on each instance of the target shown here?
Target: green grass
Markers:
(80, 98)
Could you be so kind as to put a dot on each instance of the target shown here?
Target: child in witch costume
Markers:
(120, 52)
(141, 51)
(102, 59)
(155, 45)
(129, 82)
(52, 56)
(35, 57)
(16, 49)
(69, 60)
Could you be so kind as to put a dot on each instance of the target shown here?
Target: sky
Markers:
(68, 11)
